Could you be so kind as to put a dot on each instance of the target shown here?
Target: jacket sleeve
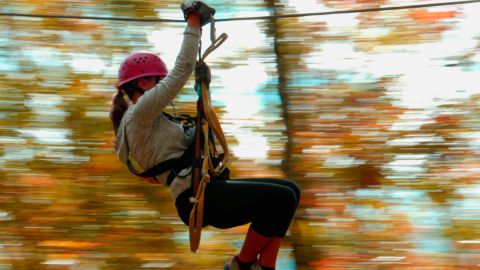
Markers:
(151, 104)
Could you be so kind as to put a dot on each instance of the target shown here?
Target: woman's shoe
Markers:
(232, 264)
(256, 266)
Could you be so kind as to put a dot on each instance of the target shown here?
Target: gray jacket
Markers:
(152, 138)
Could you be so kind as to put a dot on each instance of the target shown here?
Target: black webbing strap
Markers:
(175, 164)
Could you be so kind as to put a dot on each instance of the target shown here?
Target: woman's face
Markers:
(148, 82)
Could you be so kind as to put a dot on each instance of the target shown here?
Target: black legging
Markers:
(269, 204)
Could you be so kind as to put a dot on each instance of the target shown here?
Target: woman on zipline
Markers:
(151, 137)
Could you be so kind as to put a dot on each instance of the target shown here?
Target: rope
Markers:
(99, 18)
(350, 11)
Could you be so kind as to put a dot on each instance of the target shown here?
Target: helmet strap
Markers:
(140, 90)
(137, 88)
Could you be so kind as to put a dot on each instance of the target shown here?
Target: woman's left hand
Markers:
(202, 74)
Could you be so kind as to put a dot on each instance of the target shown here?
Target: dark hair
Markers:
(119, 105)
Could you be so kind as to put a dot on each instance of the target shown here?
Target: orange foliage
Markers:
(333, 263)
(429, 17)
(68, 244)
(446, 120)
(36, 181)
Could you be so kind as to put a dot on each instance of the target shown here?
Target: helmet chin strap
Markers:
(137, 88)
(140, 90)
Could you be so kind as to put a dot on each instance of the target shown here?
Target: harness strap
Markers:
(175, 164)
(196, 215)
(214, 125)
(208, 121)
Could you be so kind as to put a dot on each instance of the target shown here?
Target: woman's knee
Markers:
(279, 212)
(288, 199)
(294, 187)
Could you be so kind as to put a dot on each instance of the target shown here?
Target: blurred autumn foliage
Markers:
(374, 114)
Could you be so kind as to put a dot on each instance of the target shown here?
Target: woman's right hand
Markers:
(200, 9)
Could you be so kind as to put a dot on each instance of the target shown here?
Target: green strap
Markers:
(199, 90)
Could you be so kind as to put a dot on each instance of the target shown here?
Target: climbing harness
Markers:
(208, 128)
(175, 165)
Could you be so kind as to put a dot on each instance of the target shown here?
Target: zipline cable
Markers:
(51, 16)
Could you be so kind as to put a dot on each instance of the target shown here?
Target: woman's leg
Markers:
(269, 204)
(269, 253)
(278, 181)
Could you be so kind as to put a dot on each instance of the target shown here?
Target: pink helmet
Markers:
(140, 64)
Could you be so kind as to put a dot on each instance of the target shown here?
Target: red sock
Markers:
(268, 255)
(254, 242)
